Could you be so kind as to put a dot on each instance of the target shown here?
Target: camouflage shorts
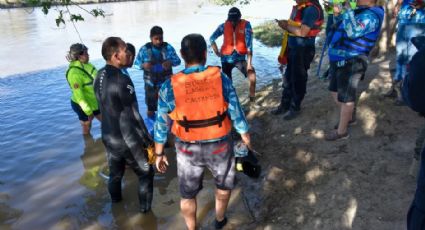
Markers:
(193, 158)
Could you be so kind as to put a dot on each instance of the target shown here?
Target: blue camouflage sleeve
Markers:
(141, 58)
(359, 25)
(248, 36)
(217, 33)
(172, 56)
(166, 104)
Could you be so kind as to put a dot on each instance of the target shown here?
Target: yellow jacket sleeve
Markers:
(76, 82)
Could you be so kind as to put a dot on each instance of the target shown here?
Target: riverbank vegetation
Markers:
(268, 33)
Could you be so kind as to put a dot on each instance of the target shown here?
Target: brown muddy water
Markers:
(50, 175)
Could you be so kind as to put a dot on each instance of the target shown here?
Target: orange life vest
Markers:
(296, 16)
(201, 111)
(234, 39)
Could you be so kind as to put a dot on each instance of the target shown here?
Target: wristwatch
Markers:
(160, 154)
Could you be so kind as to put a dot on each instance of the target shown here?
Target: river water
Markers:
(50, 176)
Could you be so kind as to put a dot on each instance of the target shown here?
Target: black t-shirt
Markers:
(123, 128)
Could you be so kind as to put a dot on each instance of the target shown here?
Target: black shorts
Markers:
(81, 115)
(151, 97)
(240, 65)
(344, 78)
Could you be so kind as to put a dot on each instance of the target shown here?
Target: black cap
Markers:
(234, 14)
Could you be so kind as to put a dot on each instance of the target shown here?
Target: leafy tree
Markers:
(231, 2)
(62, 14)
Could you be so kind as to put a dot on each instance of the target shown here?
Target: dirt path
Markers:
(309, 183)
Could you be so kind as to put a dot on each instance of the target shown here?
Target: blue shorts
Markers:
(80, 113)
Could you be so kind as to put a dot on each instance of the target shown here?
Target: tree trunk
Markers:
(386, 40)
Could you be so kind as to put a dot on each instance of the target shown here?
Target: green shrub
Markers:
(269, 33)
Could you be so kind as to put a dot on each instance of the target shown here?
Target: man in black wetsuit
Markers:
(123, 131)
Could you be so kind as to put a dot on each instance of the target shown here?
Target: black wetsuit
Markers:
(124, 134)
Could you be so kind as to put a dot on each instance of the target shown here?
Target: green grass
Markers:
(269, 33)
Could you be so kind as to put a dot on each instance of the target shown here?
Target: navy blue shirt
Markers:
(309, 16)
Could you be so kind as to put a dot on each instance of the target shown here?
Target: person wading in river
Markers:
(156, 58)
(124, 134)
(236, 50)
(80, 75)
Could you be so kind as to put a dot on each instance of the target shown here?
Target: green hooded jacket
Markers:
(80, 78)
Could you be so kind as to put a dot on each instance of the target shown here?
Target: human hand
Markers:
(166, 65)
(90, 117)
(283, 24)
(161, 163)
(147, 66)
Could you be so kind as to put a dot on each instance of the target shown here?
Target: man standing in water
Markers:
(203, 104)
(236, 50)
(80, 75)
(156, 58)
(123, 131)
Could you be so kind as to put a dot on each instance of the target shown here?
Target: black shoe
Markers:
(291, 114)
(279, 110)
(220, 224)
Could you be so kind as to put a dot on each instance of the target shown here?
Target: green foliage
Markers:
(59, 19)
(76, 18)
(269, 33)
(46, 6)
(231, 2)
(97, 12)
